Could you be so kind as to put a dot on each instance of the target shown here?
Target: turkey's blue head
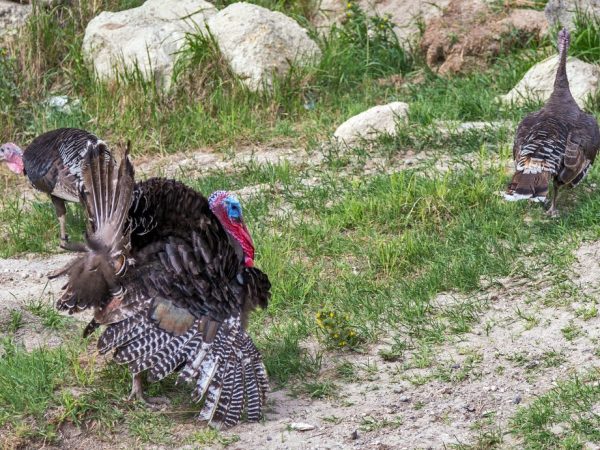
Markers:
(228, 210)
(12, 155)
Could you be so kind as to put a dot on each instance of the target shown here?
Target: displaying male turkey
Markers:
(558, 142)
(52, 164)
(170, 274)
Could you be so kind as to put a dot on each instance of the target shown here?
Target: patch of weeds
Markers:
(332, 419)
(585, 38)
(552, 358)
(370, 423)
(210, 436)
(15, 321)
(150, 426)
(27, 386)
(564, 417)
(347, 371)
(422, 357)
(418, 405)
(456, 373)
(587, 312)
(49, 316)
(318, 389)
(530, 319)
(337, 329)
(571, 331)
(284, 358)
(395, 352)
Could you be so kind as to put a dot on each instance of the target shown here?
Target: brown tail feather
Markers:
(107, 195)
(528, 186)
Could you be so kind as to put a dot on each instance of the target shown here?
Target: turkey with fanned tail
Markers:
(559, 142)
(52, 163)
(170, 275)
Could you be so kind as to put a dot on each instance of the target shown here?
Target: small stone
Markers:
(455, 366)
(404, 398)
(301, 426)
(532, 364)
(493, 388)
(269, 438)
(470, 408)
(372, 123)
(354, 435)
(517, 399)
(24, 275)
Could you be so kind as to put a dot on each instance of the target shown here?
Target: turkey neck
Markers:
(561, 101)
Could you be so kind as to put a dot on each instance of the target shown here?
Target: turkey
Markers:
(558, 142)
(170, 275)
(52, 164)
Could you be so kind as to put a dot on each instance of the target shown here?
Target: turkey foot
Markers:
(137, 394)
(65, 244)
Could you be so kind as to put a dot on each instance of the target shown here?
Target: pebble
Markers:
(404, 398)
(354, 435)
(301, 426)
(455, 366)
(517, 399)
(24, 275)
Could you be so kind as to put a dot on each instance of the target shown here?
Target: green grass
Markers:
(565, 417)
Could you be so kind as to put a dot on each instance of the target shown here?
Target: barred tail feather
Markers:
(230, 374)
(531, 186)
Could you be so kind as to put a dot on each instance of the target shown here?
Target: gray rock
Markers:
(12, 17)
(538, 82)
(259, 43)
(562, 12)
(372, 123)
(404, 14)
(148, 36)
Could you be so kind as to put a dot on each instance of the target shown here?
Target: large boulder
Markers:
(538, 82)
(450, 48)
(372, 123)
(148, 37)
(259, 43)
(405, 14)
(562, 12)
(12, 17)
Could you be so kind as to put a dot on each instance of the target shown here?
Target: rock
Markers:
(449, 49)
(148, 36)
(301, 426)
(12, 17)
(526, 21)
(404, 399)
(405, 14)
(258, 43)
(372, 123)
(562, 12)
(538, 82)
(62, 104)
(447, 127)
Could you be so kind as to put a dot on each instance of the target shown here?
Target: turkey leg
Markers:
(61, 213)
(553, 212)
(137, 393)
